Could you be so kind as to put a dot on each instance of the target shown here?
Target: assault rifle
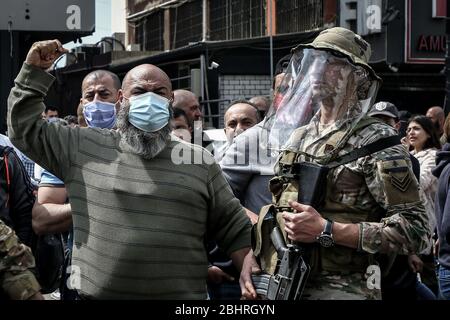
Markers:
(291, 273)
(292, 270)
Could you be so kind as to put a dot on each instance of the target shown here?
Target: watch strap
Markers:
(328, 227)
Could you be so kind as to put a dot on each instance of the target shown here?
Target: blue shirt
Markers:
(49, 179)
(27, 163)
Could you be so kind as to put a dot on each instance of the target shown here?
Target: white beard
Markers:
(145, 144)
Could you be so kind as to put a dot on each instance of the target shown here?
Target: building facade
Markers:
(227, 49)
(407, 36)
(226, 27)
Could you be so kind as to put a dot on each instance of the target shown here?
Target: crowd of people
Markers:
(119, 202)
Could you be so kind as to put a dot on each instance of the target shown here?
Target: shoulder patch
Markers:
(399, 182)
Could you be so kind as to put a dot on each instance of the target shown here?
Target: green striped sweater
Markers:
(139, 225)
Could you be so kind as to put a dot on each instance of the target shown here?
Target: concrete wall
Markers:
(234, 87)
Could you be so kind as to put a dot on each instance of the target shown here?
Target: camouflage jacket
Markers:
(383, 180)
(379, 192)
(16, 280)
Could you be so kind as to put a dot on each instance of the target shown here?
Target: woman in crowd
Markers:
(424, 143)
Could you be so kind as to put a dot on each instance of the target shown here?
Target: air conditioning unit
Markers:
(113, 43)
(120, 40)
(134, 47)
(86, 51)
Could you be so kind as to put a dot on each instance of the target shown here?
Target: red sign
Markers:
(439, 8)
(431, 43)
(421, 47)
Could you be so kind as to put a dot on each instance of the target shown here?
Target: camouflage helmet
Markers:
(345, 42)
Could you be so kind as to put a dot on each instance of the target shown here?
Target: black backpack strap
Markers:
(4, 151)
(363, 151)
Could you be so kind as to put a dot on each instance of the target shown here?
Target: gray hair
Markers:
(145, 144)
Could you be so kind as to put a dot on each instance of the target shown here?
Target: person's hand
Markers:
(249, 267)
(43, 53)
(305, 224)
(405, 142)
(37, 296)
(217, 275)
(415, 263)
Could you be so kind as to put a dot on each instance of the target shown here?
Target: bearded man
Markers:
(139, 219)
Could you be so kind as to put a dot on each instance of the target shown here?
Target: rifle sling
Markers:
(363, 151)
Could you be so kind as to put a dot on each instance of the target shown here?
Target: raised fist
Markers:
(43, 53)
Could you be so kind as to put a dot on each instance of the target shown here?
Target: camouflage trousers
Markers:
(352, 286)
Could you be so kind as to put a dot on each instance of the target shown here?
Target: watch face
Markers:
(326, 240)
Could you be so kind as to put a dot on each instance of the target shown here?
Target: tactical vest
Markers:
(337, 205)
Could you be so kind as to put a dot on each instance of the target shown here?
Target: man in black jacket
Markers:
(16, 202)
(442, 210)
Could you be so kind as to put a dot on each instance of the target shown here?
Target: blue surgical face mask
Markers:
(149, 112)
(53, 119)
(100, 114)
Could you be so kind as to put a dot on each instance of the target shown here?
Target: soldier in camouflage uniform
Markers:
(16, 280)
(371, 205)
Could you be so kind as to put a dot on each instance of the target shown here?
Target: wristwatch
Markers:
(325, 239)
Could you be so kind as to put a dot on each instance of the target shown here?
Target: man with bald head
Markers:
(100, 85)
(188, 102)
(437, 116)
(139, 216)
(240, 116)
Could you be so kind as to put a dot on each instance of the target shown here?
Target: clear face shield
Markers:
(319, 88)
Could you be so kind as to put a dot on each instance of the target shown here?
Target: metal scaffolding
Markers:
(234, 19)
(299, 15)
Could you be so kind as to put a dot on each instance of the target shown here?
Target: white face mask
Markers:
(149, 112)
